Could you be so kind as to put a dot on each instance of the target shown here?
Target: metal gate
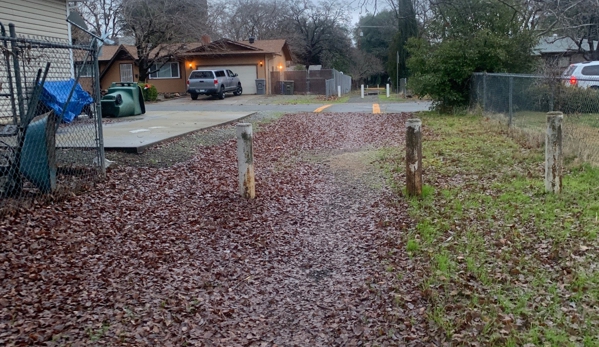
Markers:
(50, 118)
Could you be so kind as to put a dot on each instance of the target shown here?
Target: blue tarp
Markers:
(55, 96)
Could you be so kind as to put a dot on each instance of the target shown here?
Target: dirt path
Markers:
(172, 256)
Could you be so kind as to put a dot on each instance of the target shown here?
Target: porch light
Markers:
(261, 63)
(280, 67)
(190, 65)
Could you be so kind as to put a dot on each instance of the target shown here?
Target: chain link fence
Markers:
(522, 102)
(50, 122)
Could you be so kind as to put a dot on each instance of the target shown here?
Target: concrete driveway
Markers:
(176, 117)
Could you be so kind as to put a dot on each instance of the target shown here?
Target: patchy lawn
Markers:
(506, 264)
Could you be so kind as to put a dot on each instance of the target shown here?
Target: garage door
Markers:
(247, 75)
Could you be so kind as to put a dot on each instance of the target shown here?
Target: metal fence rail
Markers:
(50, 121)
(522, 102)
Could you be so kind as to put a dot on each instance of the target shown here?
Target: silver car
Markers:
(213, 82)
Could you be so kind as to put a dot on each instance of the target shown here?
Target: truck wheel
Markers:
(221, 95)
(194, 96)
(239, 90)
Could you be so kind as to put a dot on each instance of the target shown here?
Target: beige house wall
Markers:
(114, 73)
(36, 17)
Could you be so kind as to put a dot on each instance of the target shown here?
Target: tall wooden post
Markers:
(414, 157)
(554, 153)
(245, 160)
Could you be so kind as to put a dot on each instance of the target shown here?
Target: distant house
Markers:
(250, 60)
(560, 52)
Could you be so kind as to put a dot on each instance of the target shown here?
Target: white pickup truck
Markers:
(213, 82)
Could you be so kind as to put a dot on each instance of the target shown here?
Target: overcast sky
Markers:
(356, 12)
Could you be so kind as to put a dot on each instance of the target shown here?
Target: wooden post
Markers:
(245, 160)
(414, 157)
(554, 153)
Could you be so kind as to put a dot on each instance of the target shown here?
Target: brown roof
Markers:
(272, 46)
(259, 46)
(108, 52)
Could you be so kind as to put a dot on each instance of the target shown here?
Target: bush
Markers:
(150, 92)
(576, 100)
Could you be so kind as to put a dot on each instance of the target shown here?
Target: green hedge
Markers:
(149, 91)
(577, 100)
(569, 100)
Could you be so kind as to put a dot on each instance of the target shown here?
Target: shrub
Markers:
(577, 100)
(150, 92)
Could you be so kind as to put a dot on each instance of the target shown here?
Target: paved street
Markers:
(176, 117)
(256, 103)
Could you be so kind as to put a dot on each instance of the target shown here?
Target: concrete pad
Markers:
(139, 133)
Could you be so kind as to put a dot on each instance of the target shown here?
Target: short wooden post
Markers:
(387, 89)
(554, 153)
(414, 157)
(245, 161)
(362, 91)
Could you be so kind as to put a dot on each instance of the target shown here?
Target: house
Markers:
(116, 64)
(559, 52)
(251, 60)
(36, 17)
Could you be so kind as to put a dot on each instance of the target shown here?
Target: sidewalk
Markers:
(141, 132)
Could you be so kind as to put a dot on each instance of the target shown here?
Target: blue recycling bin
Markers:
(55, 95)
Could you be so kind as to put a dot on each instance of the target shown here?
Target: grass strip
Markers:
(507, 264)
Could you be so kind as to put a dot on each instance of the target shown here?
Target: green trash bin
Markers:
(123, 99)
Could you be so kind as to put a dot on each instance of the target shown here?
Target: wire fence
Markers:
(522, 102)
(50, 122)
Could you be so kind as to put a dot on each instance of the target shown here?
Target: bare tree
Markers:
(161, 28)
(577, 20)
(103, 17)
(364, 65)
(314, 30)
(261, 19)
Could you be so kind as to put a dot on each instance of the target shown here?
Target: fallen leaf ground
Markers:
(172, 256)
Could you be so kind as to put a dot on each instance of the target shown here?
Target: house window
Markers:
(168, 70)
(126, 72)
(84, 69)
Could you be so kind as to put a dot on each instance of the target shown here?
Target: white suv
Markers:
(583, 75)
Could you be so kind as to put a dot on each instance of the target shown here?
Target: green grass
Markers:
(492, 241)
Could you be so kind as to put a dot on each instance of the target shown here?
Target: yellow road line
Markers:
(321, 108)
(376, 108)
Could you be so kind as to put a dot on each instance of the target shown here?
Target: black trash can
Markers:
(260, 86)
(288, 87)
